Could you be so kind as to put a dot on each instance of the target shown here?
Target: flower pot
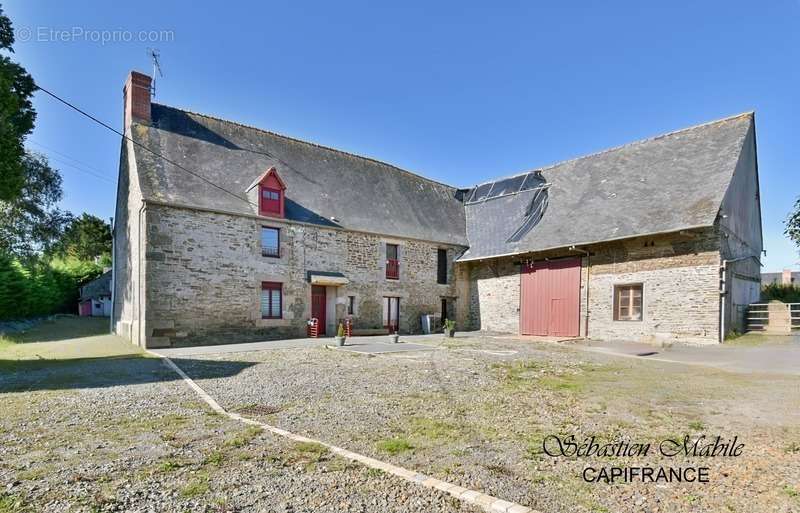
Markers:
(340, 341)
(450, 333)
(394, 338)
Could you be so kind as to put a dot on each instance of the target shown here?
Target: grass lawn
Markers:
(65, 338)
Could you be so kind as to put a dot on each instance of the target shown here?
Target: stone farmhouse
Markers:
(227, 233)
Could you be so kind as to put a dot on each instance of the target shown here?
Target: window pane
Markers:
(391, 251)
(623, 311)
(276, 303)
(441, 264)
(269, 241)
(264, 303)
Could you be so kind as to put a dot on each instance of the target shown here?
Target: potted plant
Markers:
(340, 335)
(449, 327)
(394, 337)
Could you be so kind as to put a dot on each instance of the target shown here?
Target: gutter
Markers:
(587, 243)
(283, 220)
(113, 275)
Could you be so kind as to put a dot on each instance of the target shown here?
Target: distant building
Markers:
(785, 277)
(95, 297)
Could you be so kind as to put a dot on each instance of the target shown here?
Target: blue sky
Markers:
(456, 91)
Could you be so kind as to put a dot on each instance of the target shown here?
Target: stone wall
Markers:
(127, 241)
(680, 281)
(209, 269)
(679, 273)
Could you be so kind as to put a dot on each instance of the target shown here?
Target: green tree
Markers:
(86, 238)
(31, 223)
(16, 115)
(793, 224)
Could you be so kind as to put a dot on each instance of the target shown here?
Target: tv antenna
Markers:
(155, 55)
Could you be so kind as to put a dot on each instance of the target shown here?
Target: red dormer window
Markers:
(270, 201)
(270, 193)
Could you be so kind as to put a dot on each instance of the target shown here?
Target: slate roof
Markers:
(664, 184)
(97, 288)
(323, 186)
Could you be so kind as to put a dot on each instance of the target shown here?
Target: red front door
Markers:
(318, 306)
(550, 298)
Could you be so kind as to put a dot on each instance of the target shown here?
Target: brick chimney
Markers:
(786, 277)
(136, 97)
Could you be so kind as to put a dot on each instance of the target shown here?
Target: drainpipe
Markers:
(588, 271)
(113, 275)
(139, 278)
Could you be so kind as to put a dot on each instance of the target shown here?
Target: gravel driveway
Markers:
(126, 435)
(475, 411)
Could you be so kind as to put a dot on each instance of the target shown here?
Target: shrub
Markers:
(42, 287)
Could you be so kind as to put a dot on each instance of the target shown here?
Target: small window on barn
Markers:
(628, 302)
(270, 242)
(271, 300)
(351, 305)
(441, 266)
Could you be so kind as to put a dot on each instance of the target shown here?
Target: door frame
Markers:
(545, 265)
(321, 318)
(387, 303)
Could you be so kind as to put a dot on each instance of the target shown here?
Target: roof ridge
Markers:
(310, 143)
(750, 113)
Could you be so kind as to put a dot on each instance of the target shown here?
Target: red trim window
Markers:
(271, 191)
(270, 242)
(392, 262)
(271, 300)
(271, 200)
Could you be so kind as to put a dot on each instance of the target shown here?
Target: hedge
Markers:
(42, 287)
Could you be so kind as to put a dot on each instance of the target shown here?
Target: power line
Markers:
(165, 159)
(99, 177)
(83, 164)
(77, 167)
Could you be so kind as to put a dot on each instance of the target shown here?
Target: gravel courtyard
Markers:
(474, 412)
(89, 424)
(115, 431)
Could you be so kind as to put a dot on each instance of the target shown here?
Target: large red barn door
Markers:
(550, 298)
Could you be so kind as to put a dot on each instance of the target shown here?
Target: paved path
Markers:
(378, 341)
(775, 356)
(357, 346)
